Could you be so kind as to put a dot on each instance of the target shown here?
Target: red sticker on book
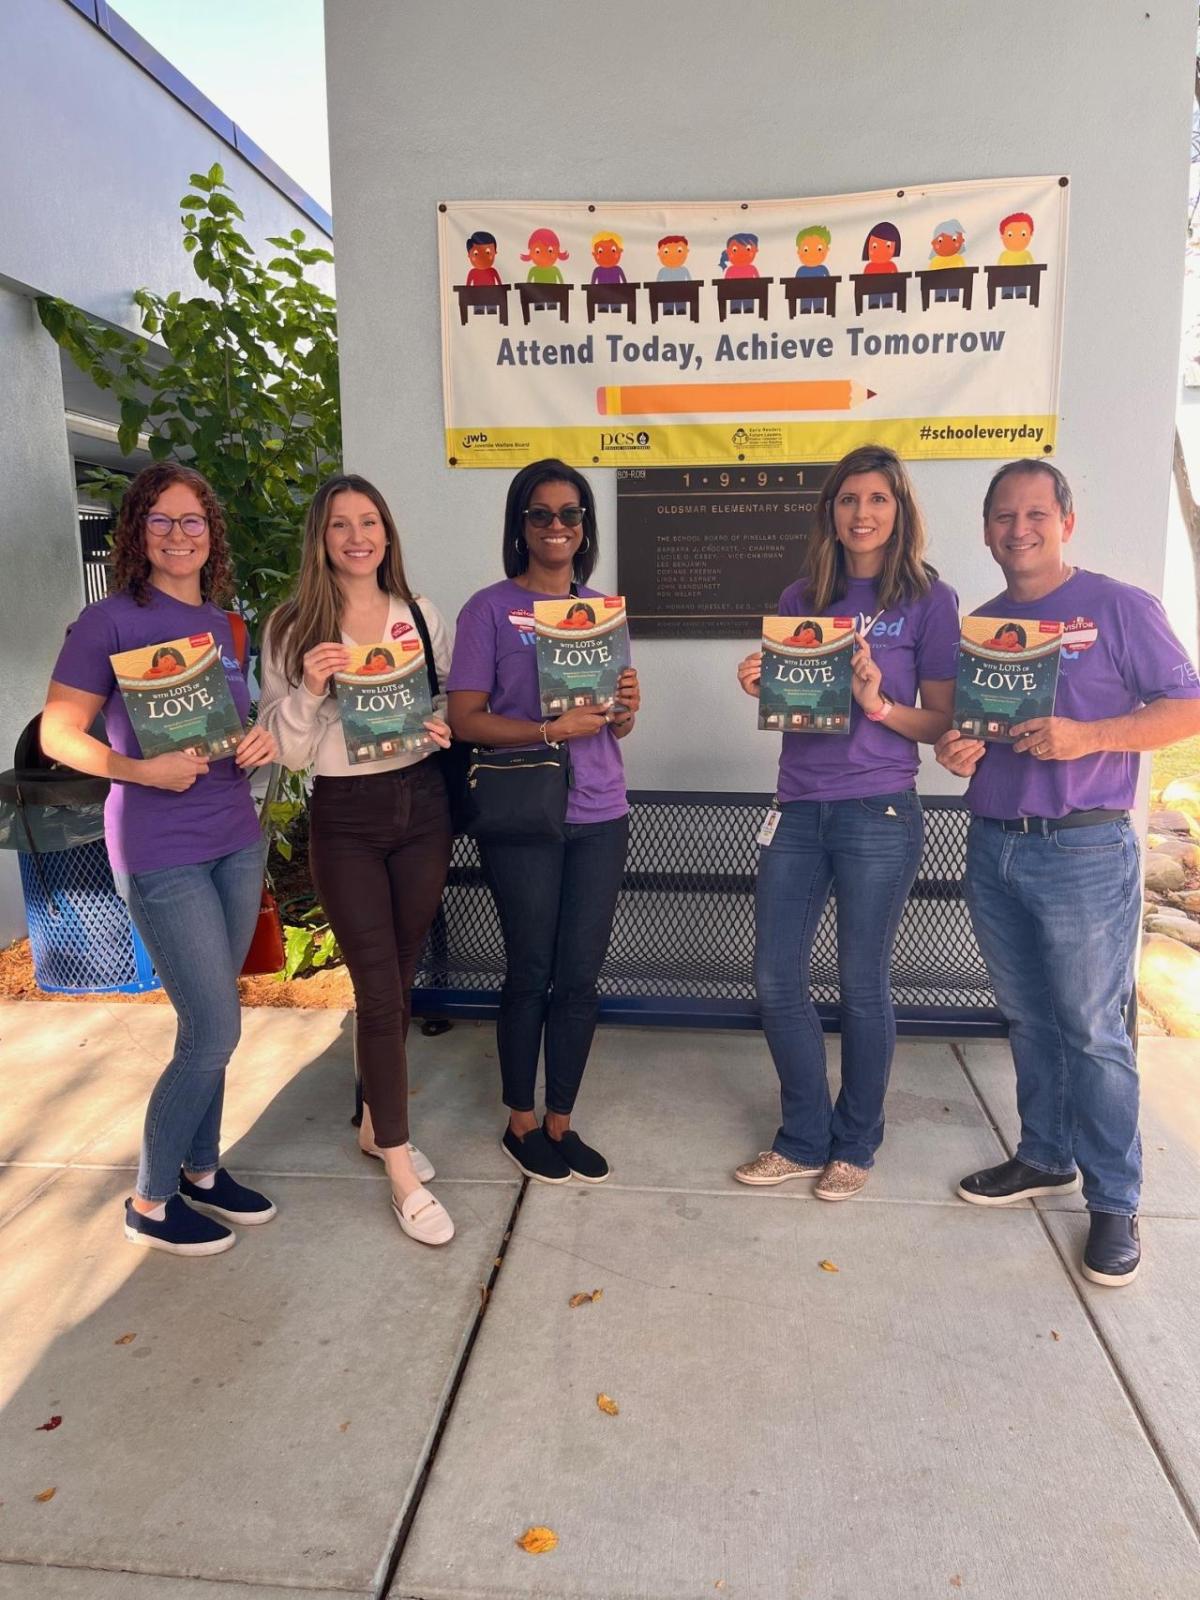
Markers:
(613, 601)
(844, 622)
(1080, 633)
(1049, 627)
(410, 644)
(198, 639)
(400, 628)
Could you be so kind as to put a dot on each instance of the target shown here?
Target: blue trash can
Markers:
(80, 933)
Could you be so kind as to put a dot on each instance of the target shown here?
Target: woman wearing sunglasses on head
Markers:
(183, 839)
(556, 896)
(379, 833)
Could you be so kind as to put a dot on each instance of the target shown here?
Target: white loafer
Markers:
(422, 1165)
(424, 1218)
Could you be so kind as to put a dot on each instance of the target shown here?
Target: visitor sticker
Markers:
(1080, 633)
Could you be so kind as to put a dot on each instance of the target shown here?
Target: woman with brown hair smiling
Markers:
(183, 839)
(379, 833)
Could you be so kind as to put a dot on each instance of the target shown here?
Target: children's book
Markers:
(805, 682)
(582, 649)
(383, 697)
(177, 697)
(1007, 673)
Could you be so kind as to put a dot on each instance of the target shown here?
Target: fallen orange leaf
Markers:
(343, 1426)
(956, 1582)
(534, 1541)
(126, 1338)
(49, 1427)
(828, 1266)
(584, 1298)
(1055, 1335)
(46, 1494)
(608, 1405)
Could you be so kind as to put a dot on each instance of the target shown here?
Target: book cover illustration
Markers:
(582, 649)
(383, 698)
(1007, 673)
(806, 676)
(178, 698)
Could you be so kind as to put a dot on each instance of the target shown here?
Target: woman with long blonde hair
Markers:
(849, 819)
(379, 831)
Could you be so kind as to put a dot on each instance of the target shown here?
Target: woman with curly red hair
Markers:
(183, 839)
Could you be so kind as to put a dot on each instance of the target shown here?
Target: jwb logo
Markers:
(468, 439)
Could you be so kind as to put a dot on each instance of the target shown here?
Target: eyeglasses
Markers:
(160, 525)
(542, 516)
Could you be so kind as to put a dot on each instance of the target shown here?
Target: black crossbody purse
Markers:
(518, 795)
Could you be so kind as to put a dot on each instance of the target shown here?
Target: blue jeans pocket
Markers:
(1108, 836)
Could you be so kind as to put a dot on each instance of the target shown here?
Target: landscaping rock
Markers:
(1181, 850)
(1188, 899)
(1163, 872)
(1170, 822)
(1169, 984)
(1181, 928)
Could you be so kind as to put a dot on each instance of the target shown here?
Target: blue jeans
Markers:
(197, 923)
(869, 851)
(556, 900)
(1057, 918)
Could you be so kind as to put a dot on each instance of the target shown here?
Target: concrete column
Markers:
(41, 578)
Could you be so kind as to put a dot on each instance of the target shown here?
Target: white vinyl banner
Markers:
(613, 334)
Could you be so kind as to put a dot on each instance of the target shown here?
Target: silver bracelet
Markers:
(545, 737)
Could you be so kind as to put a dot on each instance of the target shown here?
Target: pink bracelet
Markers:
(885, 710)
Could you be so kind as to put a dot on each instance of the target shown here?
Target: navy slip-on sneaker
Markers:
(586, 1164)
(1114, 1251)
(182, 1232)
(228, 1199)
(536, 1156)
(1012, 1181)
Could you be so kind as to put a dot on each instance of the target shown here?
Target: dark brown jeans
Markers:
(379, 850)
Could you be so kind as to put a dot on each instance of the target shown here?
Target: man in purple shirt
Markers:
(1053, 875)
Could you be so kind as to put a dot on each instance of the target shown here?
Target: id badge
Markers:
(770, 822)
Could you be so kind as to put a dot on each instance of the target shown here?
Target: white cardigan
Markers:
(308, 727)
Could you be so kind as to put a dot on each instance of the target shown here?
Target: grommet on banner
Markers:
(453, 461)
(1063, 182)
(442, 206)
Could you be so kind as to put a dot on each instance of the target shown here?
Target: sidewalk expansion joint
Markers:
(1157, 1448)
(391, 1561)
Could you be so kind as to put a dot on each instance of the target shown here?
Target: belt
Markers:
(1073, 819)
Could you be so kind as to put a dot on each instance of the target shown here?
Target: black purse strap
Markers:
(418, 617)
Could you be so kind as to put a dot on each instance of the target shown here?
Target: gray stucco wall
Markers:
(695, 99)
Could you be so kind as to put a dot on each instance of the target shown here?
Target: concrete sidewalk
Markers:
(330, 1409)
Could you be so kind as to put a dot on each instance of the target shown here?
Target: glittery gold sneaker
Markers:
(840, 1181)
(770, 1167)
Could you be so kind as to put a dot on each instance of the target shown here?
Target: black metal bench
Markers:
(682, 947)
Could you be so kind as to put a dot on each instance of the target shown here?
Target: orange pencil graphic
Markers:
(657, 399)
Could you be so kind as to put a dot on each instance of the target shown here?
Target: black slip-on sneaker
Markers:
(182, 1232)
(586, 1164)
(228, 1199)
(1012, 1181)
(1114, 1251)
(537, 1158)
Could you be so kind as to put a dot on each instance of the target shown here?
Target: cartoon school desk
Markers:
(621, 295)
(481, 296)
(544, 294)
(1027, 277)
(889, 285)
(731, 289)
(797, 289)
(955, 279)
(684, 292)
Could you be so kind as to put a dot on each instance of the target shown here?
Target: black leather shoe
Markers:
(535, 1156)
(1114, 1252)
(1012, 1181)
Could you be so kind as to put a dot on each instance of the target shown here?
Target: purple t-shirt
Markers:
(145, 828)
(495, 653)
(914, 641)
(1119, 652)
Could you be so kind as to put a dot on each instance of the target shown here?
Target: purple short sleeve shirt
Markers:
(911, 642)
(495, 653)
(1119, 653)
(146, 829)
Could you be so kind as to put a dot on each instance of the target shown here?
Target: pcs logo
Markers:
(625, 440)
